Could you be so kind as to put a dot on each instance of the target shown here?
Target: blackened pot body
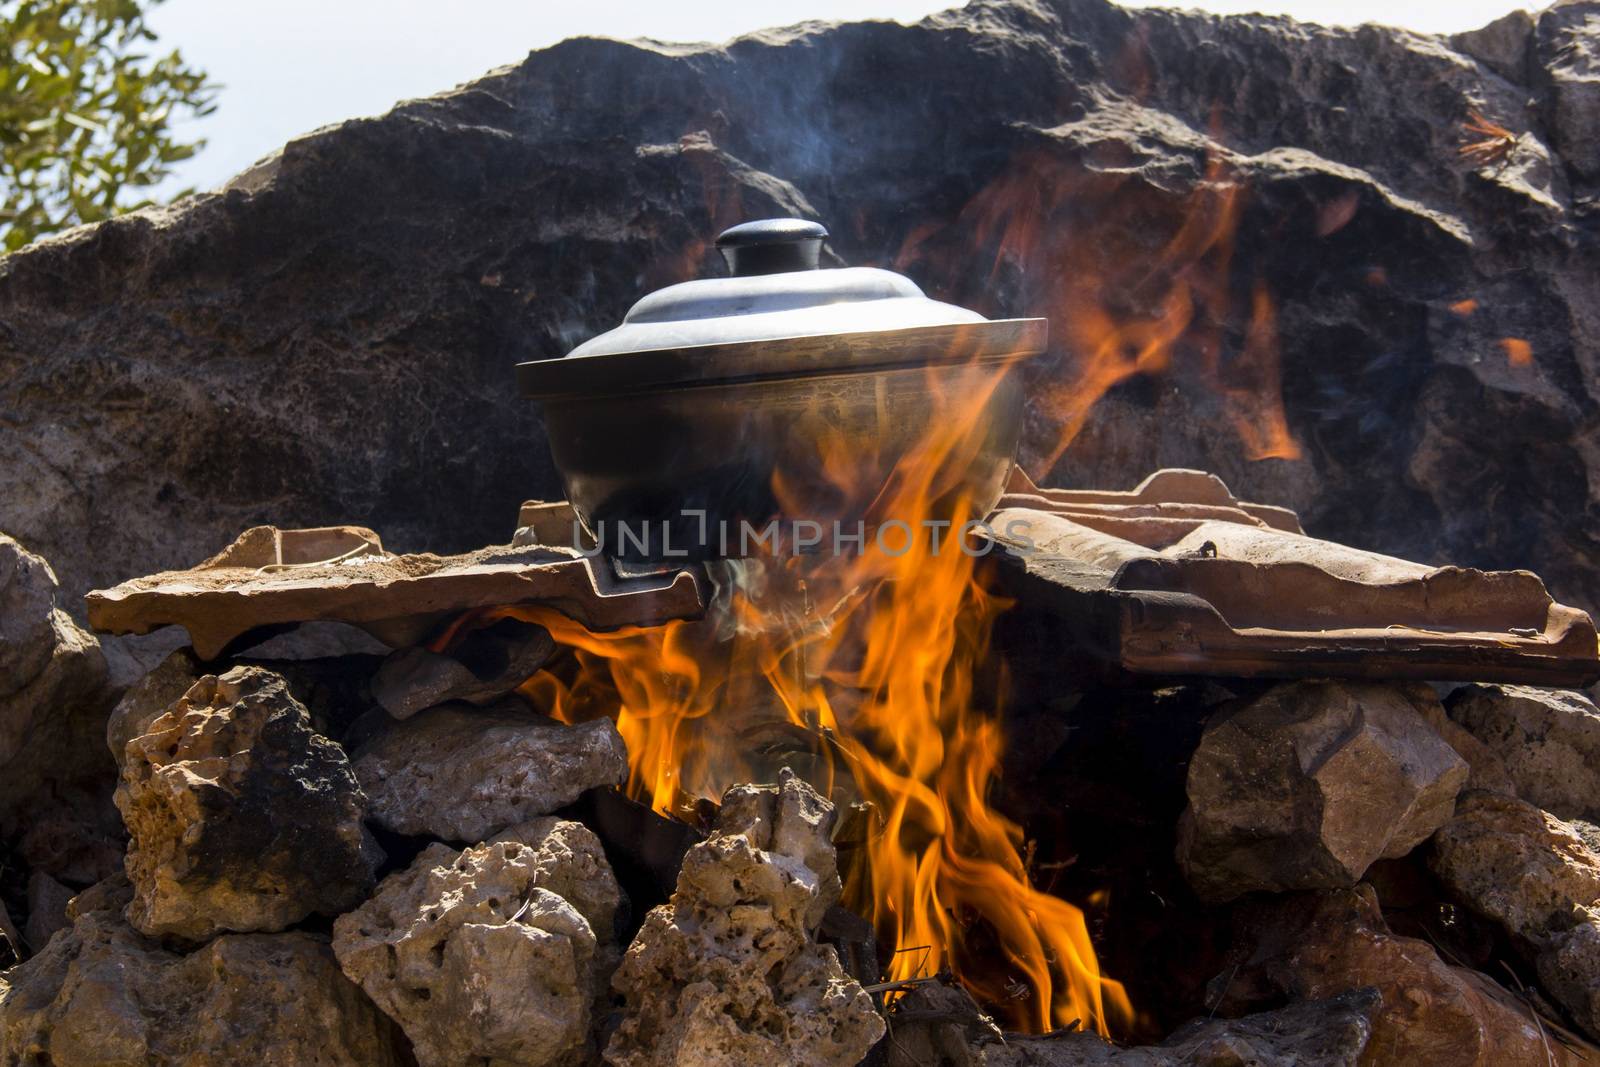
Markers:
(700, 472)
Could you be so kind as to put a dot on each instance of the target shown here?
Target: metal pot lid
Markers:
(778, 316)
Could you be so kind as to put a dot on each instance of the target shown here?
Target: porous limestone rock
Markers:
(480, 668)
(1588, 833)
(1535, 876)
(1308, 784)
(333, 690)
(1548, 739)
(492, 955)
(463, 773)
(147, 699)
(52, 689)
(102, 995)
(1431, 1014)
(1569, 967)
(1515, 864)
(728, 973)
(240, 816)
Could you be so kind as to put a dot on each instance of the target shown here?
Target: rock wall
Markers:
(331, 337)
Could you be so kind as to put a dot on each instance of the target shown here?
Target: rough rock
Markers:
(52, 688)
(367, 290)
(47, 910)
(1567, 47)
(1515, 864)
(1549, 741)
(1485, 768)
(74, 834)
(1502, 45)
(463, 773)
(481, 668)
(940, 1025)
(147, 699)
(1569, 968)
(1587, 832)
(512, 937)
(102, 995)
(241, 817)
(1308, 784)
(1319, 1033)
(1535, 876)
(319, 640)
(336, 690)
(728, 972)
(1432, 1014)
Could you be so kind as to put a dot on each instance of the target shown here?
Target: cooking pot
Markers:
(783, 391)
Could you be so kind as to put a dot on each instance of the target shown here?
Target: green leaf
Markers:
(83, 123)
(87, 112)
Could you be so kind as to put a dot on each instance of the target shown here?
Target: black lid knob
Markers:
(771, 246)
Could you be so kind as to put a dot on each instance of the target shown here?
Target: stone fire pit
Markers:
(1314, 754)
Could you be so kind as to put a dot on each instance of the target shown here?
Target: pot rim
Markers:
(785, 359)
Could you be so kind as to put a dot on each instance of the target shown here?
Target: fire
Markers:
(1519, 353)
(869, 673)
(1132, 288)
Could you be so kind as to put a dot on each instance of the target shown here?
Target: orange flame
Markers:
(869, 672)
(1519, 353)
(864, 671)
(1485, 141)
(1123, 306)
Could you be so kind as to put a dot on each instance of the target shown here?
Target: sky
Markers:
(291, 66)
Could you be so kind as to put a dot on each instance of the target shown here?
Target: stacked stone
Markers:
(1298, 791)
(252, 797)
